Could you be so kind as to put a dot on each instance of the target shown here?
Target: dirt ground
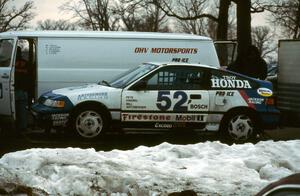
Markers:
(284, 133)
(39, 139)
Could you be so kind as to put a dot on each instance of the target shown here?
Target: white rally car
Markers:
(164, 96)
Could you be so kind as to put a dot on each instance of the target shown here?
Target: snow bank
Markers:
(209, 168)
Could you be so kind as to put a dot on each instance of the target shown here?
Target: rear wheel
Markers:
(239, 126)
(89, 122)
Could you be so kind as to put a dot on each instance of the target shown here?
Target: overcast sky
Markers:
(46, 9)
(49, 9)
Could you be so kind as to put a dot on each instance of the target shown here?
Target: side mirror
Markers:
(140, 85)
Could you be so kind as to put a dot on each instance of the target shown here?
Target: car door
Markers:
(172, 96)
(7, 48)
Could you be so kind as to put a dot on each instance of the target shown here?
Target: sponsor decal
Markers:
(59, 116)
(229, 77)
(145, 117)
(189, 118)
(130, 101)
(59, 119)
(163, 117)
(130, 106)
(220, 93)
(223, 93)
(92, 96)
(163, 126)
(52, 49)
(140, 50)
(77, 87)
(183, 60)
(230, 94)
(229, 83)
(265, 92)
(254, 100)
(246, 97)
(1, 91)
(198, 106)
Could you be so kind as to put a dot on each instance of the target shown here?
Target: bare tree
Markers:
(94, 14)
(262, 38)
(138, 15)
(205, 26)
(286, 13)
(55, 25)
(244, 8)
(189, 8)
(13, 18)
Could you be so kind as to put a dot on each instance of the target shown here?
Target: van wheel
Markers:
(238, 126)
(89, 122)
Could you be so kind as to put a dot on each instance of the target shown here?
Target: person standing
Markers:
(21, 91)
(252, 64)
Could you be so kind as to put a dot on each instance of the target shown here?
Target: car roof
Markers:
(161, 64)
(182, 64)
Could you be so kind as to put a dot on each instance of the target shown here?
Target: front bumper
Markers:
(49, 117)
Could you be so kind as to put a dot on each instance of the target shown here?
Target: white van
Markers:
(60, 59)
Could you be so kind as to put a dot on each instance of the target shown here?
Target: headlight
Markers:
(54, 103)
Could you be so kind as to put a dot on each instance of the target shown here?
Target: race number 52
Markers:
(164, 101)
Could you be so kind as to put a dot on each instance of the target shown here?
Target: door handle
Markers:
(5, 76)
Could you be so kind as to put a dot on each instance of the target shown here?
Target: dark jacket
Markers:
(251, 65)
(21, 75)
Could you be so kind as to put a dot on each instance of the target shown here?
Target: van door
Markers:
(227, 52)
(7, 48)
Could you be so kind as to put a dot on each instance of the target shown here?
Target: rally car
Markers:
(164, 96)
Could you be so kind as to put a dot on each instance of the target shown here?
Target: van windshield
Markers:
(6, 49)
(131, 75)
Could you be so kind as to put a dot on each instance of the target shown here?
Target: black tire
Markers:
(89, 122)
(239, 126)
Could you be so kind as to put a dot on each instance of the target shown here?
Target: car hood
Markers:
(88, 88)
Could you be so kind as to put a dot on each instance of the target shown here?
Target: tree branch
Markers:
(170, 13)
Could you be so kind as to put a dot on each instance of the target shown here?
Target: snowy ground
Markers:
(209, 168)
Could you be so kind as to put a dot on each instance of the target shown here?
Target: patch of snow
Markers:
(209, 168)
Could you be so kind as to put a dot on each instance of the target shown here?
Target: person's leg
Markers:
(21, 110)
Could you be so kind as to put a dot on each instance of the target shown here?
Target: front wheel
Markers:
(89, 123)
(239, 126)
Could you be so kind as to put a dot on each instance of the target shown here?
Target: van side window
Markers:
(6, 48)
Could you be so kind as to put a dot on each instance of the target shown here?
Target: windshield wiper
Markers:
(105, 83)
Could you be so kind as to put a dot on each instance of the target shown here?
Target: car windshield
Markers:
(272, 71)
(131, 75)
(6, 48)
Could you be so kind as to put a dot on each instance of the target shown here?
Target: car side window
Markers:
(225, 80)
(177, 78)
